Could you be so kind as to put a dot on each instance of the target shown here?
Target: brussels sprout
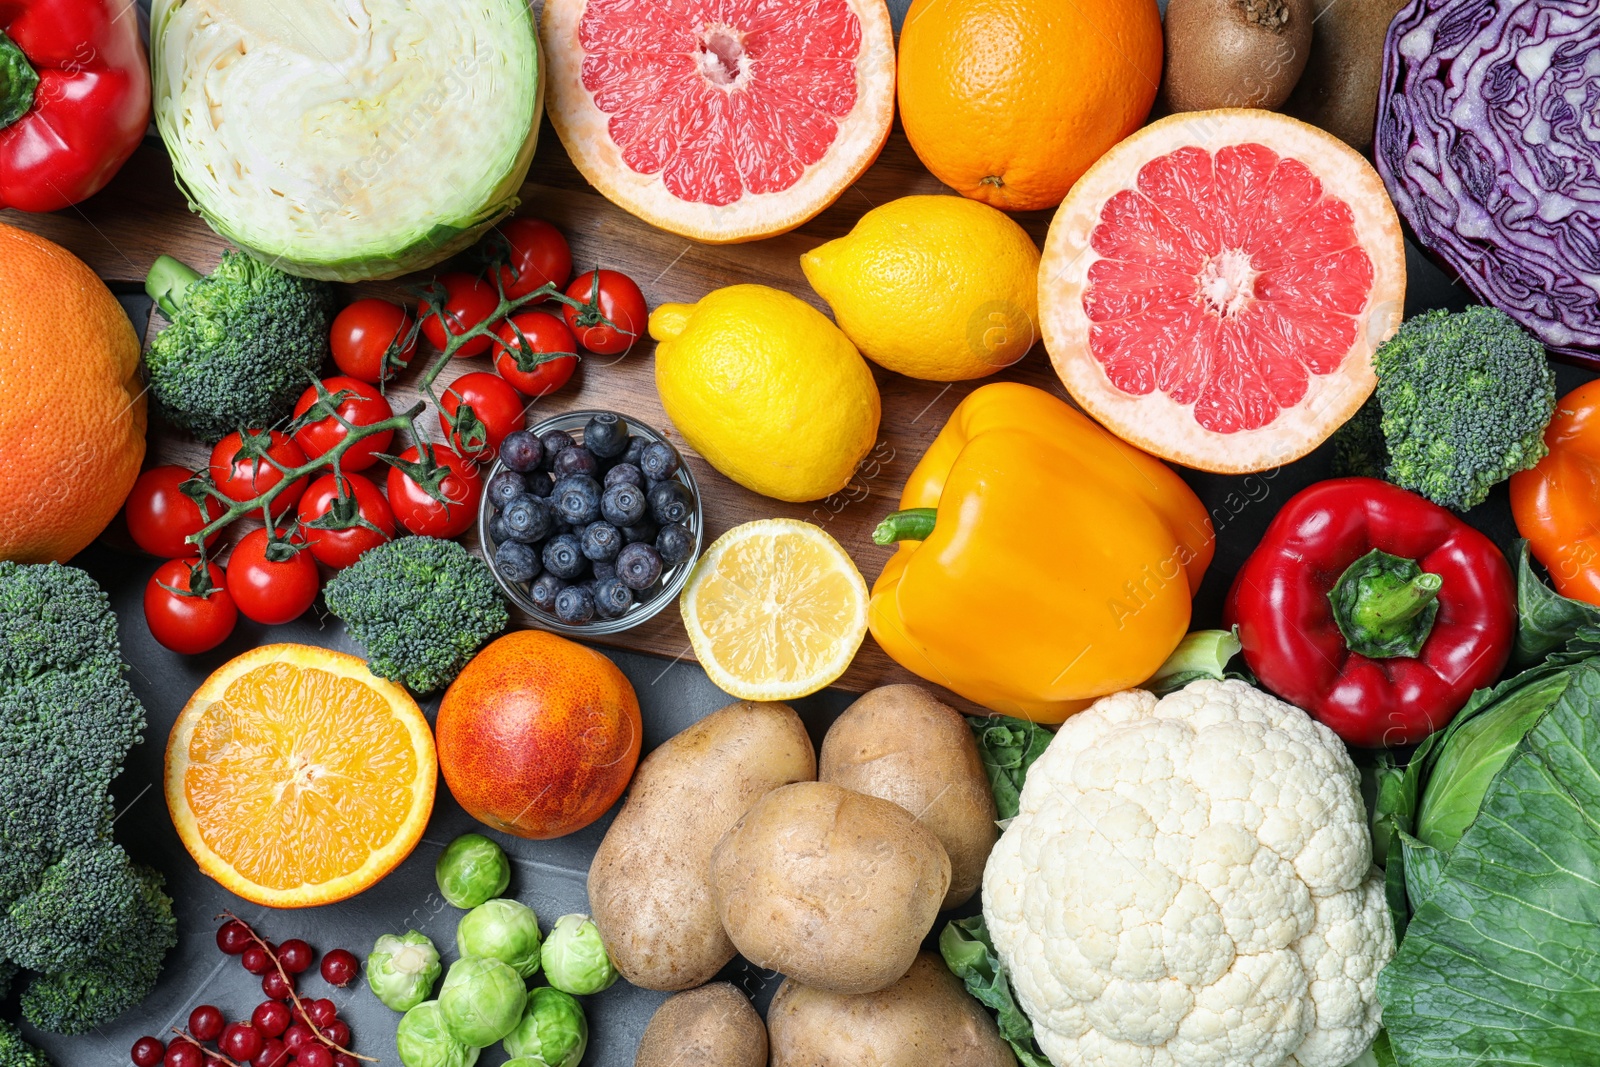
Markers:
(472, 870)
(423, 1040)
(575, 959)
(553, 1031)
(501, 930)
(401, 970)
(481, 1001)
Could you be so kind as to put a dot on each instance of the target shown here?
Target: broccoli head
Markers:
(1466, 397)
(420, 606)
(244, 343)
(1358, 447)
(15, 1050)
(91, 893)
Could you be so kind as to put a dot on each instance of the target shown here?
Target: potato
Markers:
(923, 1019)
(648, 884)
(900, 744)
(834, 888)
(713, 1026)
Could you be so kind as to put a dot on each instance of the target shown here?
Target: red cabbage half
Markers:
(1489, 142)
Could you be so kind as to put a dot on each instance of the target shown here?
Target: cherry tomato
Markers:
(539, 334)
(363, 406)
(468, 300)
(420, 513)
(537, 255)
(243, 477)
(369, 340)
(188, 624)
(496, 410)
(161, 517)
(340, 548)
(267, 589)
(614, 297)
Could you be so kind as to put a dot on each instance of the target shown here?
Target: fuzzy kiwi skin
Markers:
(1339, 89)
(1234, 53)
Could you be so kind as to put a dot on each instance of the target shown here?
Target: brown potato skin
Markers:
(834, 888)
(1234, 53)
(713, 1026)
(649, 889)
(899, 743)
(925, 1018)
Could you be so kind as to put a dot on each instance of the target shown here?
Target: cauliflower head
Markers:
(1189, 883)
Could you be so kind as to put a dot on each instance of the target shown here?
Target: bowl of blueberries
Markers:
(590, 522)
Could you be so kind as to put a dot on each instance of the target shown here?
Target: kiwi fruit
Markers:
(1234, 53)
(1339, 89)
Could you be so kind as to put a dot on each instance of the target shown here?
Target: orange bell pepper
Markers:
(1557, 502)
(1043, 562)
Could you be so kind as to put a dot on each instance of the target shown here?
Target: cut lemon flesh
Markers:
(775, 610)
(295, 777)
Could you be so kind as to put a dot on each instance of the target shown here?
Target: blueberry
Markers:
(612, 599)
(576, 460)
(674, 543)
(575, 605)
(497, 529)
(539, 483)
(642, 531)
(563, 557)
(543, 592)
(606, 435)
(601, 540)
(603, 569)
(671, 502)
(516, 562)
(526, 519)
(635, 449)
(638, 566)
(659, 461)
(521, 451)
(577, 499)
(553, 442)
(626, 473)
(505, 487)
(623, 504)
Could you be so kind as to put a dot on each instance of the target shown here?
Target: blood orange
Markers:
(1214, 287)
(722, 120)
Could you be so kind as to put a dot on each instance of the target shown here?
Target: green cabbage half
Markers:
(344, 140)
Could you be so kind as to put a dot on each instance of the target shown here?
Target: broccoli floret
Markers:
(89, 894)
(15, 1050)
(244, 343)
(1466, 397)
(421, 606)
(1358, 447)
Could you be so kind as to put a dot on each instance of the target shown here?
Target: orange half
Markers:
(295, 777)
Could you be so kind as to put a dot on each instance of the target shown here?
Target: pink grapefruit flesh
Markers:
(722, 120)
(1213, 289)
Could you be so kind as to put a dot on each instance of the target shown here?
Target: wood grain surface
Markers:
(142, 215)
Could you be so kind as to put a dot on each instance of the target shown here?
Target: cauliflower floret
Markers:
(1189, 883)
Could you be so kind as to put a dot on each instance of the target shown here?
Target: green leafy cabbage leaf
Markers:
(1008, 748)
(970, 955)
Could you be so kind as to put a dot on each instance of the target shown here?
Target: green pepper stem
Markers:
(19, 82)
(1391, 608)
(912, 524)
(1385, 606)
(167, 283)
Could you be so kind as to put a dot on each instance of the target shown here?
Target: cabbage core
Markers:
(348, 139)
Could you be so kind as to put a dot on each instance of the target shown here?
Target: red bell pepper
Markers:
(1374, 610)
(74, 98)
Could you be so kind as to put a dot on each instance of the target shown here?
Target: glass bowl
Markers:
(649, 602)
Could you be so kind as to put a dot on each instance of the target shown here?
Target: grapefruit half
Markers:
(722, 120)
(1213, 289)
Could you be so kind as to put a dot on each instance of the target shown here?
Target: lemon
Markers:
(769, 391)
(775, 610)
(935, 287)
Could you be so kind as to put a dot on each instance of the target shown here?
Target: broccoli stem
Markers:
(167, 283)
(912, 524)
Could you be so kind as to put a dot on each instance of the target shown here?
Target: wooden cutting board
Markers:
(141, 215)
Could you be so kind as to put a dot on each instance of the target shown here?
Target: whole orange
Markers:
(1010, 101)
(72, 419)
(538, 736)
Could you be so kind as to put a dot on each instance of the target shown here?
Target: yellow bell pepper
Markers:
(1043, 562)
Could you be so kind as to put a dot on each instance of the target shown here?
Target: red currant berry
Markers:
(295, 955)
(256, 960)
(344, 1059)
(272, 1054)
(233, 937)
(297, 1037)
(337, 1033)
(271, 1017)
(313, 1056)
(276, 986)
(322, 1012)
(240, 1041)
(184, 1054)
(339, 967)
(147, 1052)
(206, 1022)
